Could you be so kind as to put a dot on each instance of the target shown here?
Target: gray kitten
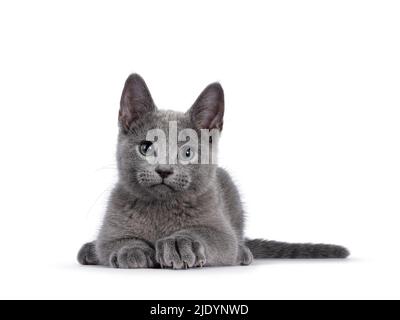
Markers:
(177, 216)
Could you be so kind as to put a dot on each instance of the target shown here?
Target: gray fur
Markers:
(263, 249)
(195, 218)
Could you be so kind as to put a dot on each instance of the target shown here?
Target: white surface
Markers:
(314, 86)
(355, 279)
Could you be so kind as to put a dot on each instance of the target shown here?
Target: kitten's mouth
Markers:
(163, 185)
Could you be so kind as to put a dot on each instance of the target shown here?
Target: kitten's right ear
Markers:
(208, 110)
(136, 100)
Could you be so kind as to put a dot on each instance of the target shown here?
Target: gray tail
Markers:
(264, 249)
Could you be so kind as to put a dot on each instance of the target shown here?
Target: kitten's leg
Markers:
(197, 247)
(127, 254)
(87, 255)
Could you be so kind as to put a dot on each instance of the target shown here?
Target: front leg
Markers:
(197, 247)
(128, 254)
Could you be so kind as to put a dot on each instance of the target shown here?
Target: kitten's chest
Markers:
(154, 222)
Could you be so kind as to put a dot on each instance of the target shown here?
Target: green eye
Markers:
(146, 148)
(187, 153)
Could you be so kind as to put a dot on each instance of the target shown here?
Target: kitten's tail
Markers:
(264, 249)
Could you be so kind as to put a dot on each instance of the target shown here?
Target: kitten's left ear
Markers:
(208, 110)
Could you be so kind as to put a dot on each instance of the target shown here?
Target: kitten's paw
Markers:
(245, 256)
(180, 252)
(87, 254)
(133, 258)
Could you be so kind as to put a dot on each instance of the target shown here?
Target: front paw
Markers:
(133, 257)
(180, 252)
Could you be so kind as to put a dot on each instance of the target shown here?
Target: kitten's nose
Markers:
(164, 172)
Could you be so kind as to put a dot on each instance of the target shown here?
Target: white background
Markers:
(311, 136)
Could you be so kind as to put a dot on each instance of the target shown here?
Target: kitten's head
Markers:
(167, 154)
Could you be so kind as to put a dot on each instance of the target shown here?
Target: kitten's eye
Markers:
(187, 153)
(146, 148)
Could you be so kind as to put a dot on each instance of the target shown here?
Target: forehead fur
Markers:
(161, 119)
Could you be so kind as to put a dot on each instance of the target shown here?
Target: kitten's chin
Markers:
(162, 188)
(160, 191)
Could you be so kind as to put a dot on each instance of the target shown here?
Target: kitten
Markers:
(179, 215)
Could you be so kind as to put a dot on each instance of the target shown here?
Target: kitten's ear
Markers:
(208, 110)
(136, 100)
